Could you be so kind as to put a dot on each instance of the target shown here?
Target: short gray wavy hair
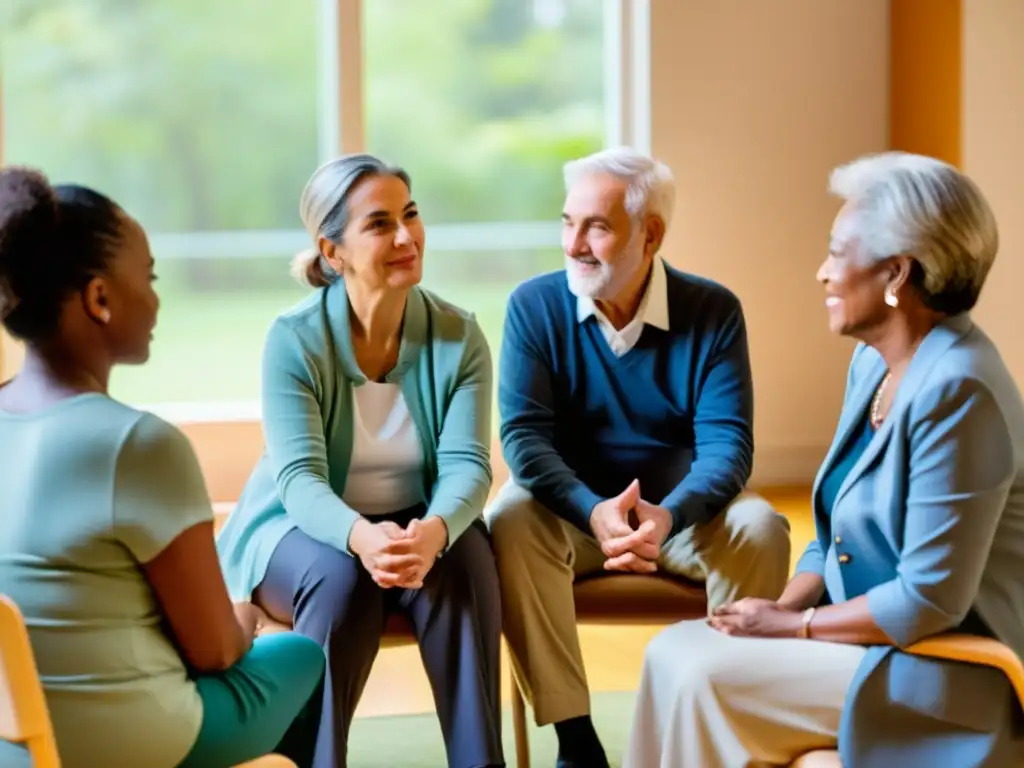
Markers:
(651, 187)
(324, 209)
(913, 205)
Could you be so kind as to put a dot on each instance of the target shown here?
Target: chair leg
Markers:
(519, 723)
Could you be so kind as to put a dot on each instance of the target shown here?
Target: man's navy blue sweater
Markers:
(675, 412)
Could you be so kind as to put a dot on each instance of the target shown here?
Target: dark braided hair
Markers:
(53, 241)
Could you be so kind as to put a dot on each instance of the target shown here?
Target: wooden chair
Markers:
(969, 649)
(24, 716)
(619, 599)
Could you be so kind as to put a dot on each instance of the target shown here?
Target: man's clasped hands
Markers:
(634, 550)
(637, 550)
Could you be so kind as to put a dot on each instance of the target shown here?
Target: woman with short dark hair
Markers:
(106, 529)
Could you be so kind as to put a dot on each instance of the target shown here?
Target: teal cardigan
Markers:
(309, 368)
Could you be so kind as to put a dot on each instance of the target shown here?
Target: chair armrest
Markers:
(971, 649)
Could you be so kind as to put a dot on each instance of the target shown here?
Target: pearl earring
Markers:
(105, 315)
(891, 298)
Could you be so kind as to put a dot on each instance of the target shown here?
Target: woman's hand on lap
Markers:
(426, 538)
(756, 617)
(386, 551)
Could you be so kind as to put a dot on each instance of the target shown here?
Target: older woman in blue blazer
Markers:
(376, 411)
(919, 510)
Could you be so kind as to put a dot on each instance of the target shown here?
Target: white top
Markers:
(653, 310)
(386, 471)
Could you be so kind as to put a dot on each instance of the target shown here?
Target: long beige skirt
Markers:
(708, 700)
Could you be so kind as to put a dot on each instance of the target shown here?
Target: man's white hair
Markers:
(651, 188)
(918, 206)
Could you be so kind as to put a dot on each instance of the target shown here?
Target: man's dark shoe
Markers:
(579, 745)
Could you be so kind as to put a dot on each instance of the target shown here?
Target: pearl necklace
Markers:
(876, 403)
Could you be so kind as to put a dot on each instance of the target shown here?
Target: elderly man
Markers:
(627, 408)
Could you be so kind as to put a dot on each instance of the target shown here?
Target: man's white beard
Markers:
(605, 281)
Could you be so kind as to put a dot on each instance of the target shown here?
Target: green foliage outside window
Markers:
(202, 117)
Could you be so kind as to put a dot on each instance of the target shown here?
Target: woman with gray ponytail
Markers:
(376, 412)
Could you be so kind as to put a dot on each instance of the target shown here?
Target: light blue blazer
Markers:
(929, 524)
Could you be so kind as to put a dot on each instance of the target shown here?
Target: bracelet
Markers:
(805, 628)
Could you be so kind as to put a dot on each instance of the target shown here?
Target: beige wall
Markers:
(752, 104)
(993, 154)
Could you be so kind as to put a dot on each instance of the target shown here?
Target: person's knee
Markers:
(307, 656)
(757, 528)
(301, 657)
(687, 654)
(337, 590)
(516, 521)
(470, 562)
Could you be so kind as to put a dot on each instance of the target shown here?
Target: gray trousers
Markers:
(456, 616)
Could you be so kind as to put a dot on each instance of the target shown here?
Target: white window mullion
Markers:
(328, 98)
(640, 73)
(616, 109)
(628, 73)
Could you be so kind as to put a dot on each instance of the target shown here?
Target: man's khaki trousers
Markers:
(743, 552)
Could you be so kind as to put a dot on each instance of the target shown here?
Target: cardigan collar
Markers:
(414, 332)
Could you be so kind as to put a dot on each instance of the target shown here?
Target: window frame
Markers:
(227, 436)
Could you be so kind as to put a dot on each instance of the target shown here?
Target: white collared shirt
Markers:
(653, 310)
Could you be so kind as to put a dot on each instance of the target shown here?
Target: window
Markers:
(490, 101)
(205, 119)
(200, 118)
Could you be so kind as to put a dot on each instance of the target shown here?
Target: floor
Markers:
(613, 655)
